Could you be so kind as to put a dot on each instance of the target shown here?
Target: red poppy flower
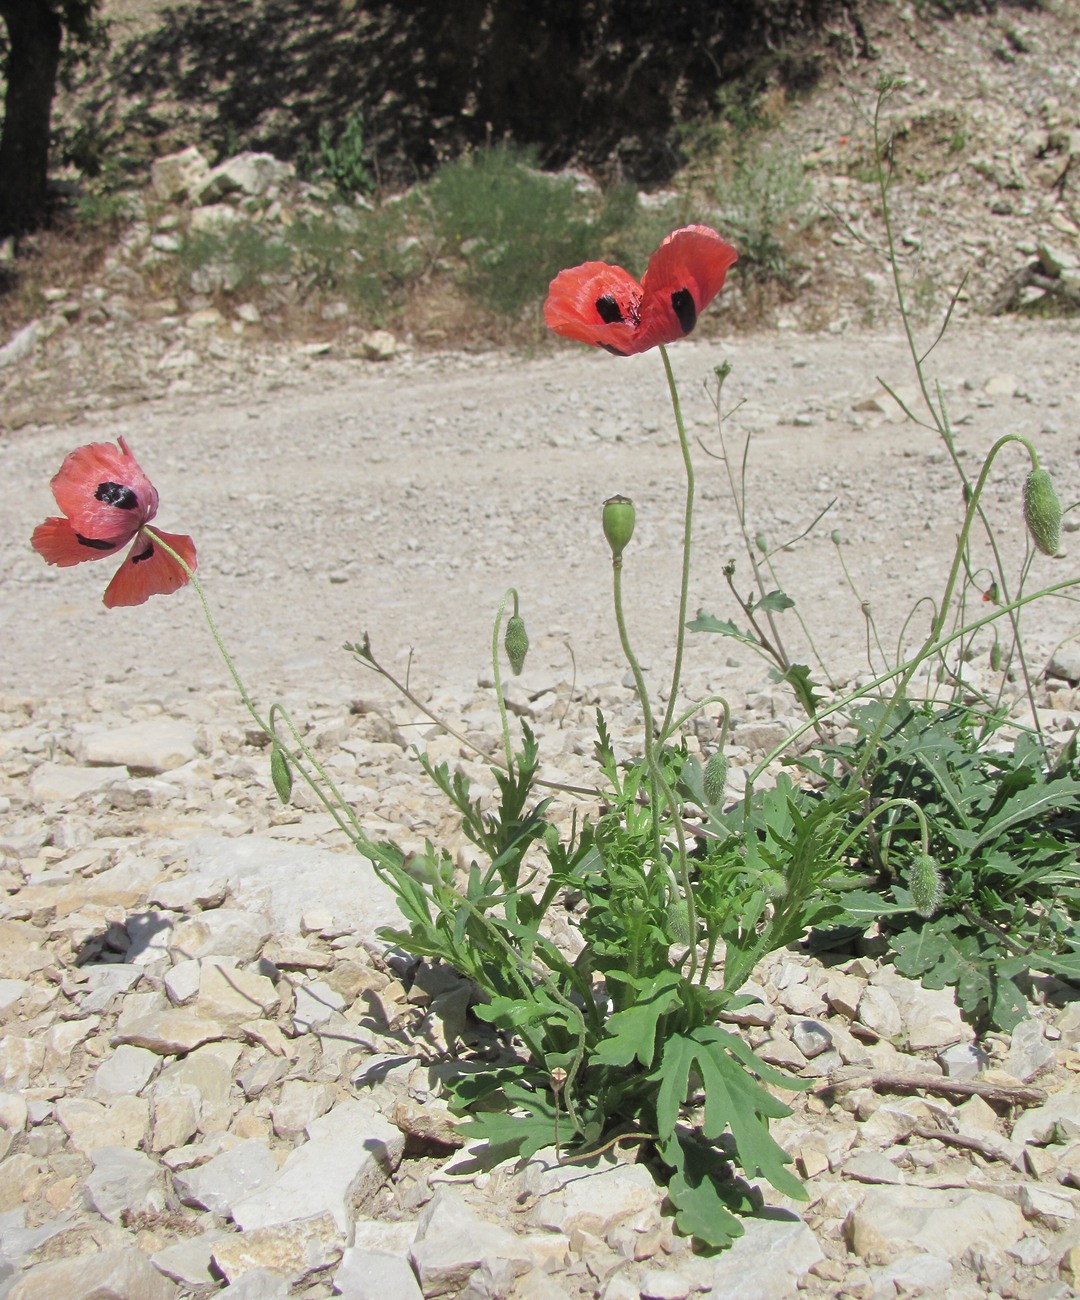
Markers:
(605, 306)
(107, 500)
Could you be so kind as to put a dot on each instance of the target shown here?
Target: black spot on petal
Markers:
(96, 543)
(143, 555)
(608, 309)
(116, 494)
(682, 304)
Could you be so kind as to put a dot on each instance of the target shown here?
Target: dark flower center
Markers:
(116, 494)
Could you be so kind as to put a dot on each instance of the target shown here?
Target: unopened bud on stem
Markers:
(619, 518)
(1042, 511)
(715, 780)
(516, 643)
(927, 889)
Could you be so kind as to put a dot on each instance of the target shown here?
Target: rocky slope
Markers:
(213, 1078)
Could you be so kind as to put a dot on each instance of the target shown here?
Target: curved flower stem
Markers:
(697, 708)
(688, 522)
(875, 813)
(946, 599)
(336, 806)
(938, 410)
(643, 696)
(904, 670)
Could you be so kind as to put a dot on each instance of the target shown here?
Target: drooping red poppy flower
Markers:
(604, 305)
(107, 500)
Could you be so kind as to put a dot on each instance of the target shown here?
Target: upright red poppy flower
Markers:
(604, 305)
(107, 500)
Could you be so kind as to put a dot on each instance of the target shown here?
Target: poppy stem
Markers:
(658, 784)
(336, 807)
(688, 522)
(498, 676)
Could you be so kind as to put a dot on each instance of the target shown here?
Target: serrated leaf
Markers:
(775, 602)
(700, 1211)
(798, 678)
(707, 1198)
(733, 1100)
(705, 622)
(1035, 801)
(631, 1033)
(281, 773)
(863, 907)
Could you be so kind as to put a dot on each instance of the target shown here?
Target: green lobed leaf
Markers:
(706, 622)
(733, 1100)
(631, 1033)
(775, 602)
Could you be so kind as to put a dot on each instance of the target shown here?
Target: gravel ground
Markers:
(404, 498)
(157, 1139)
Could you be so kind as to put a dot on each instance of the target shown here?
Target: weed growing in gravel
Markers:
(674, 895)
(973, 819)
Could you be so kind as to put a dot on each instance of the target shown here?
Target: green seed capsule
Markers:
(927, 889)
(619, 519)
(516, 643)
(281, 773)
(1042, 511)
(715, 780)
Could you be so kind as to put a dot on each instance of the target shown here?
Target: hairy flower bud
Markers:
(677, 921)
(926, 885)
(997, 657)
(516, 643)
(281, 773)
(715, 780)
(1042, 511)
(774, 883)
(619, 518)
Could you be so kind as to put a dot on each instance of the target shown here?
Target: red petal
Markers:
(57, 542)
(595, 303)
(104, 493)
(684, 275)
(149, 571)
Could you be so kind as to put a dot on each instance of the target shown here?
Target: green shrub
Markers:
(764, 200)
(510, 224)
(342, 158)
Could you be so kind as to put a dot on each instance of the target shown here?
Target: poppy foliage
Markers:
(604, 305)
(107, 501)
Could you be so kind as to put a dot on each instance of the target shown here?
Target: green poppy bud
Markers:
(422, 867)
(281, 773)
(774, 883)
(997, 657)
(677, 921)
(1042, 511)
(927, 889)
(619, 518)
(715, 780)
(762, 543)
(516, 643)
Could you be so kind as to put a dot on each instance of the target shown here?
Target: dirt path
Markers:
(403, 499)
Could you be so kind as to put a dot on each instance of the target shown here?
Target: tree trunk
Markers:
(34, 36)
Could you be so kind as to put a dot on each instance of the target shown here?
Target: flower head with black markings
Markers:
(107, 501)
(604, 305)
